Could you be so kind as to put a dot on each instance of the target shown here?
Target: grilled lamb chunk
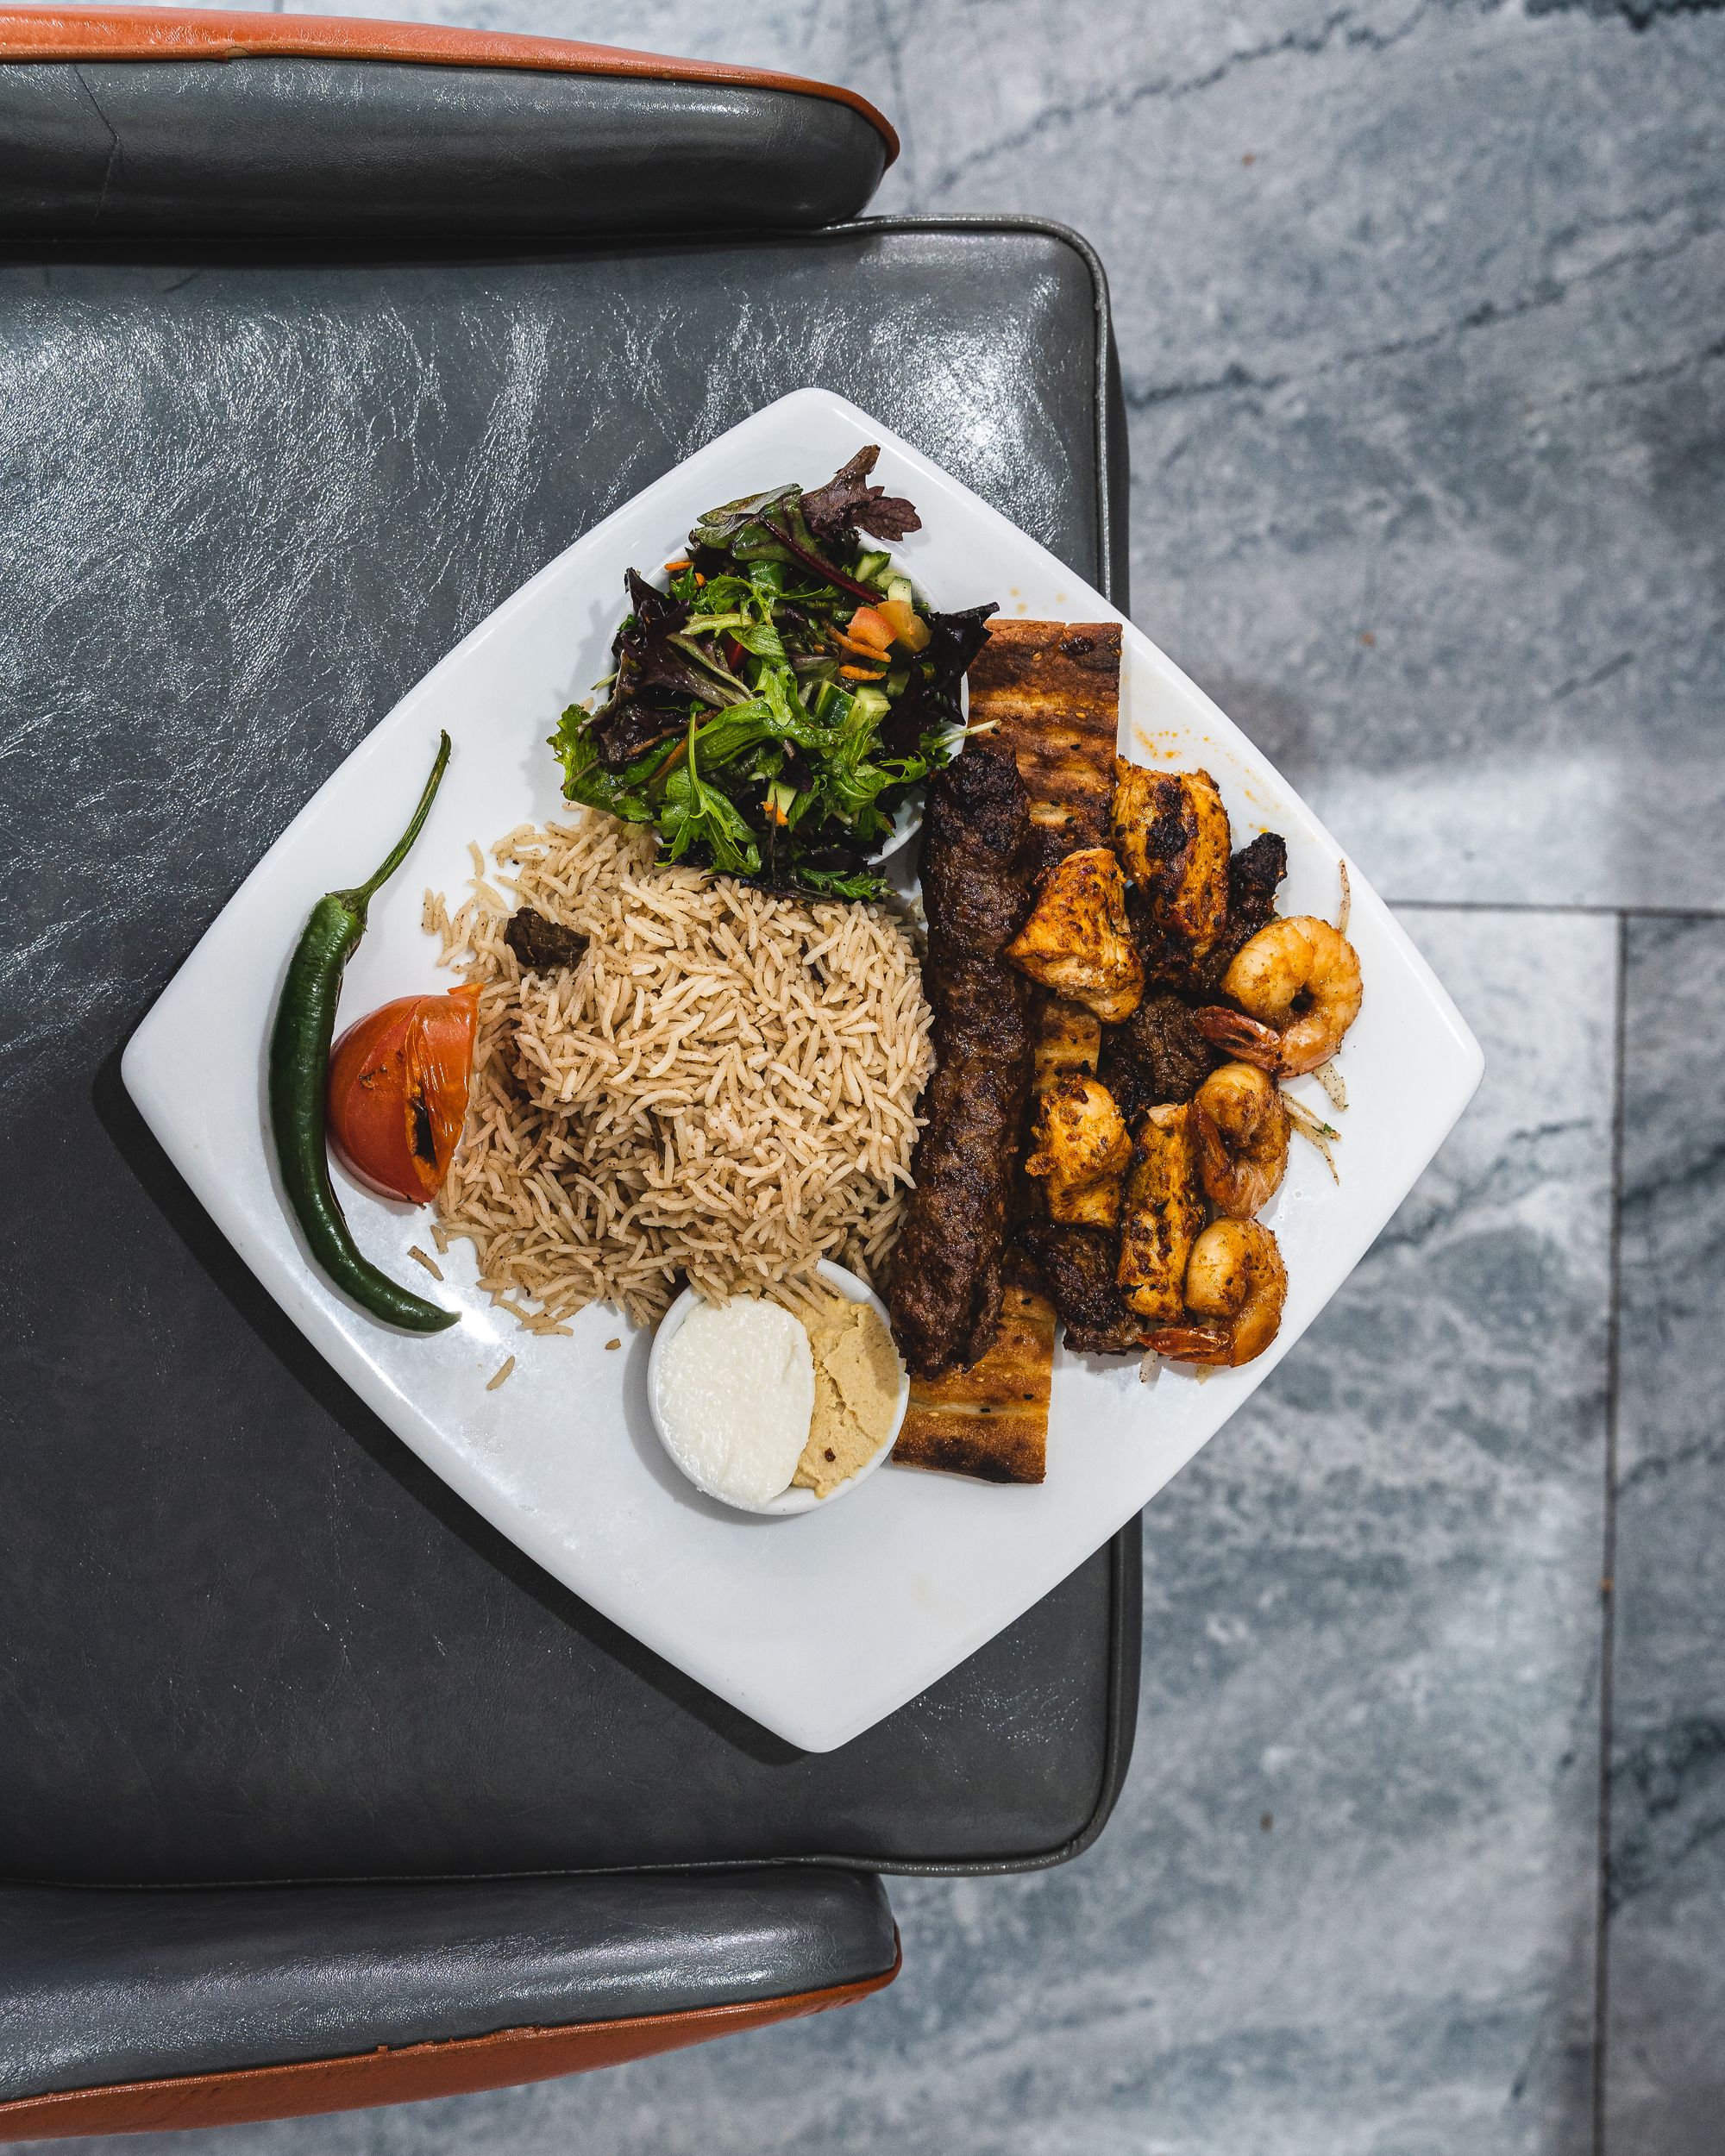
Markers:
(1253, 876)
(1078, 1264)
(541, 946)
(1156, 1057)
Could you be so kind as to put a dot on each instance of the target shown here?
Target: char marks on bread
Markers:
(1049, 692)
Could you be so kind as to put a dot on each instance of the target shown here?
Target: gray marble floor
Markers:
(1666, 2022)
(1421, 309)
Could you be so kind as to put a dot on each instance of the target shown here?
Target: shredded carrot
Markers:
(699, 579)
(676, 565)
(861, 674)
(862, 651)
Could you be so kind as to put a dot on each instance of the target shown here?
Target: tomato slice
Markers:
(397, 1095)
(870, 625)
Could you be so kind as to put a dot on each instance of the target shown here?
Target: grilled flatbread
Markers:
(1052, 689)
(991, 1420)
(1050, 693)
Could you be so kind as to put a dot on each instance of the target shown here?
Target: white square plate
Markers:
(815, 1626)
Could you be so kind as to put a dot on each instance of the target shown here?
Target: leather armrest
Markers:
(101, 1987)
(148, 122)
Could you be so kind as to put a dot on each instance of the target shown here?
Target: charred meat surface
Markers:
(946, 1272)
(1076, 941)
(1171, 831)
(947, 1283)
(1156, 1057)
(1254, 875)
(974, 888)
(1078, 1265)
(1162, 1214)
(541, 945)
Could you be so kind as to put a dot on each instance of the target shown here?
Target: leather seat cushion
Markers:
(248, 1636)
(97, 1988)
(274, 145)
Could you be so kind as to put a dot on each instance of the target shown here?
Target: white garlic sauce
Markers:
(736, 1396)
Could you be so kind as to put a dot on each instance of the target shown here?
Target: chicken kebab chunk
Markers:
(1161, 1215)
(1079, 1150)
(1077, 941)
(1069, 1040)
(1170, 830)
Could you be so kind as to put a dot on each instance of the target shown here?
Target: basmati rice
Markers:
(724, 1090)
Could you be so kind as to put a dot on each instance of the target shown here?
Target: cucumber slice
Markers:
(899, 587)
(872, 704)
(830, 704)
(873, 569)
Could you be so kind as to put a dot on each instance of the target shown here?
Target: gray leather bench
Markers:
(300, 1758)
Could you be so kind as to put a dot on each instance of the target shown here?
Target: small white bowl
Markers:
(788, 1500)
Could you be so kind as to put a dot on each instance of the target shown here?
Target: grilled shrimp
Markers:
(1297, 984)
(1162, 1212)
(1236, 1285)
(1242, 1122)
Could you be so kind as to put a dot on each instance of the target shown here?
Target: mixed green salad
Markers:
(774, 705)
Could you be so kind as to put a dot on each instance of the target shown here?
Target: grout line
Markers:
(1560, 905)
(1608, 1593)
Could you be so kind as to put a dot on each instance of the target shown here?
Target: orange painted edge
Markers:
(409, 2075)
(147, 33)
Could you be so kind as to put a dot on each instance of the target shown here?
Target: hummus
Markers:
(856, 1380)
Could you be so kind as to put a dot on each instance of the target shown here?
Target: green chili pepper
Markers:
(300, 1077)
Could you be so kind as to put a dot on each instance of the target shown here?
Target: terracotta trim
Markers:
(407, 2076)
(147, 33)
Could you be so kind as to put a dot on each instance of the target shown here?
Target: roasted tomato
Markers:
(398, 1097)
